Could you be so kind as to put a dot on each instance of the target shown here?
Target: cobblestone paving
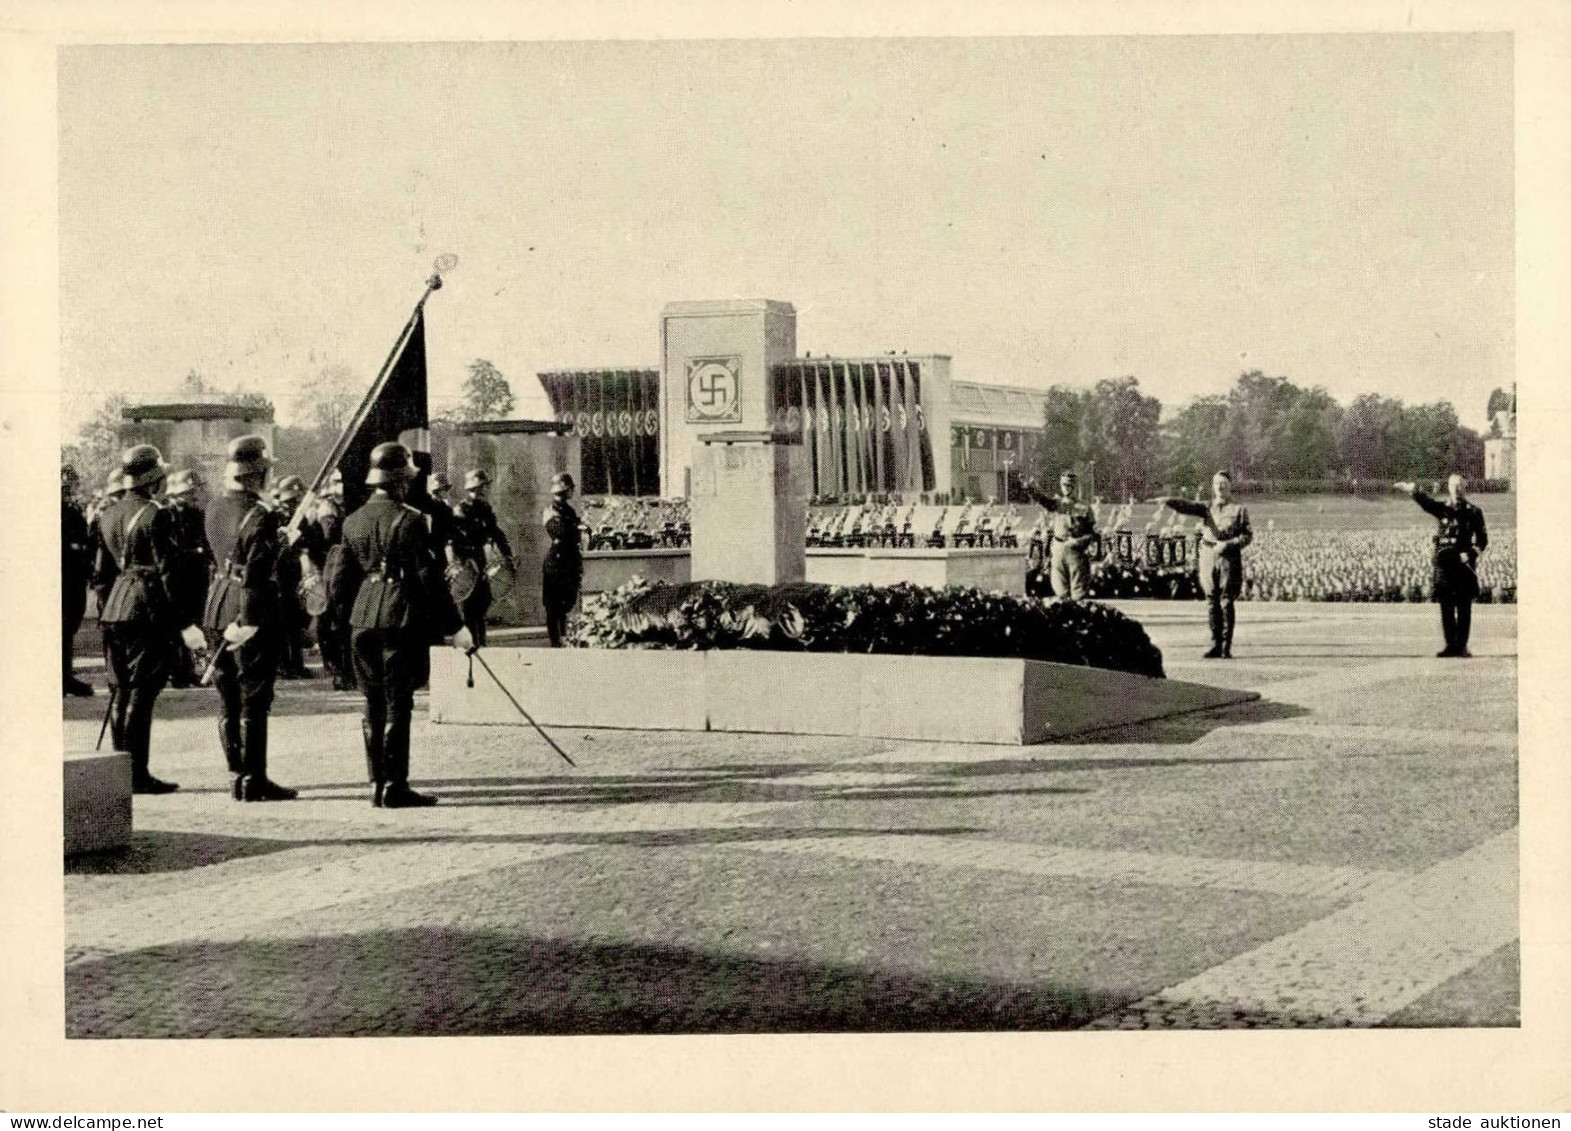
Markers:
(1342, 853)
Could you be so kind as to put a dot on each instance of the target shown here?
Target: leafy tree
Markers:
(327, 400)
(487, 395)
(1193, 447)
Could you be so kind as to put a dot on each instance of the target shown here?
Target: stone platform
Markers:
(925, 698)
(97, 801)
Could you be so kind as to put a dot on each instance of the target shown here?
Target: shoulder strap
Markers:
(126, 531)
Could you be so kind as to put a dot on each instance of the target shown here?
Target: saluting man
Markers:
(1073, 529)
(76, 570)
(247, 593)
(474, 528)
(1462, 538)
(196, 559)
(137, 572)
(1226, 531)
(563, 568)
(393, 590)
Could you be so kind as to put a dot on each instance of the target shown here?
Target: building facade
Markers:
(889, 424)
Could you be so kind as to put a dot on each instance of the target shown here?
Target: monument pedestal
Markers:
(749, 508)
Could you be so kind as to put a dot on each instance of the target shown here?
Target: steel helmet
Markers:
(390, 463)
(477, 477)
(247, 455)
(142, 464)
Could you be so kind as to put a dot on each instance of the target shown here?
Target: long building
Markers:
(889, 424)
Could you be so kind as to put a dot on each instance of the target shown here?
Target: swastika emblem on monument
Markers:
(714, 390)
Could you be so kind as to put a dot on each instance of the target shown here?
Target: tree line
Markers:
(1264, 429)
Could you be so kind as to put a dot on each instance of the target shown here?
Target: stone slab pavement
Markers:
(1341, 853)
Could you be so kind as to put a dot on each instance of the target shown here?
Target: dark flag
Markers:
(399, 406)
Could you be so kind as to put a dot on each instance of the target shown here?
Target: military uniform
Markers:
(332, 632)
(1070, 564)
(397, 604)
(194, 569)
(136, 574)
(290, 577)
(1226, 532)
(474, 526)
(1461, 538)
(563, 569)
(247, 591)
(76, 570)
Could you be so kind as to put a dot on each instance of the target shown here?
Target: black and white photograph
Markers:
(801, 536)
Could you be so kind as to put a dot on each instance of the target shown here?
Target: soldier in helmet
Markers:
(388, 581)
(332, 635)
(563, 568)
(1462, 538)
(137, 571)
(289, 493)
(442, 489)
(244, 617)
(76, 570)
(196, 558)
(474, 528)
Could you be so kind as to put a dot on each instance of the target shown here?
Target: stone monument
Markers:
(747, 480)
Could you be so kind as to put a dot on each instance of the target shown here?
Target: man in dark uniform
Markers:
(474, 528)
(290, 491)
(563, 568)
(136, 574)
(1226, 532)
(388, 579)
(332, 635)
(195, 561)
(1073, 530)
(442, 489)
(246, 593)
(1461, 539)
(76, 570)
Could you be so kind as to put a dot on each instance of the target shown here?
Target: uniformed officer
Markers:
(1461, 539)
(76, 570)
(246, 593)
(1073, 530)
(442, 489)
(1226, 532)
(474, 528)
(291, 574)
(563, 568)
(387, 578)
(332, 633)
(137, 571)
(195, 562)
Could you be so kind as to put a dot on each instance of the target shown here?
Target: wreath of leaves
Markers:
(900, 619)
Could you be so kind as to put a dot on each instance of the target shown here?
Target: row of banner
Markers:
(864, 422)
(616, 412)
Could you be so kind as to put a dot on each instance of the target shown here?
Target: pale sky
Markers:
(1333, 209)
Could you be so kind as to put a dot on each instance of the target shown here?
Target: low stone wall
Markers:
(605, 570)
(1004, 701)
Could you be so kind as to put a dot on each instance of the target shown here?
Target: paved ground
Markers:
(1341, 853)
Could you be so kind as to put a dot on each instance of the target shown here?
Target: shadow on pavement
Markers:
(154, 851)
(1178, 730)
(444, 982)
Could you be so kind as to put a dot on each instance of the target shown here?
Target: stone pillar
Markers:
(749, 508)
(717, 375)
(196, 436)
(521, 456)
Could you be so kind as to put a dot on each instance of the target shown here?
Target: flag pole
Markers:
(434, 283)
